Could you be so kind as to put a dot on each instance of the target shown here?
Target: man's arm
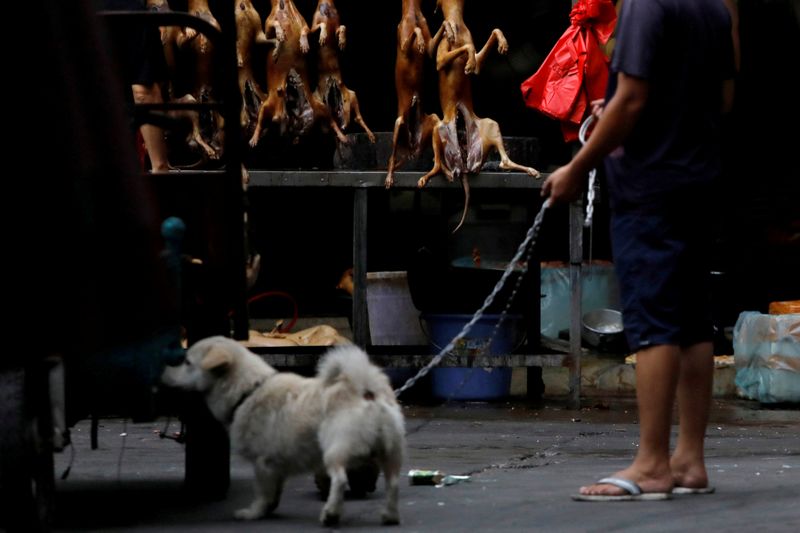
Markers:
(728, 91)
(618, 120)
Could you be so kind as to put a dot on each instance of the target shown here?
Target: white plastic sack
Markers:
(766, 351)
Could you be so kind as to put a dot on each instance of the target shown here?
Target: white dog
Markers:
(288, 424)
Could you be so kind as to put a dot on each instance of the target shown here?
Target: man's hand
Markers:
(564, 185)
(598, 106)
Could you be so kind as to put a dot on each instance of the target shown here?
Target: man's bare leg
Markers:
(695, 388)
(657, 371)
(153, 136)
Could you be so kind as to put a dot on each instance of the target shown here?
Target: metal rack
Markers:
(360, 182)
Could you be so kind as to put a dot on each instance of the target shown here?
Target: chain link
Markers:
(590, 199)
(591, 189)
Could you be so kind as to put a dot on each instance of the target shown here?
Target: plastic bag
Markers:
(767, 356)
(575, 72)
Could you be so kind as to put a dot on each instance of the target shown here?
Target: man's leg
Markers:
(153, 135)
(657, 371)
(695, 387)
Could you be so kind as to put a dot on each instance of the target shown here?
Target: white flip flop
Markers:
(635, 493)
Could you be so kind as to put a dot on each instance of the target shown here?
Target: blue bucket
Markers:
(472, 383)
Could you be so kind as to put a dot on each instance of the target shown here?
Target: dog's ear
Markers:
(217, 359)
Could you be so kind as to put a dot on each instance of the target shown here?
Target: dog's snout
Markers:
(175, 357)
(173, 353)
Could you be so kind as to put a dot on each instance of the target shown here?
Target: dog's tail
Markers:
(352, 364)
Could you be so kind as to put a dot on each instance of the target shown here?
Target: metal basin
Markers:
(602, 327)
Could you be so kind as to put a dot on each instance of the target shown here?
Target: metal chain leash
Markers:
(525, 249)
(591, 190)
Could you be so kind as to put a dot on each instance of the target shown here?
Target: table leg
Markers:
(573, 359)
(360, 317)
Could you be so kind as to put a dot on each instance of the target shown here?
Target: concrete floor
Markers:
(524, 461)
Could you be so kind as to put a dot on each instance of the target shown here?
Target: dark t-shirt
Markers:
(684, 49)
(137, 48)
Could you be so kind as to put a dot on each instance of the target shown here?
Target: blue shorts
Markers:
(662, 261)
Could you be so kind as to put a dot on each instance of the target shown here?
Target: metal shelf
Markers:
(360, 182)
(414, 356)
(293, 360)
(375, 179)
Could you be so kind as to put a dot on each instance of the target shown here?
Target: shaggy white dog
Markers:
(287, 424)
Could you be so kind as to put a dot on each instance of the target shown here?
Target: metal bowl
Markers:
(602, 327)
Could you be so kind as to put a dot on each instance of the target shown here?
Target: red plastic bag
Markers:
(576, 70)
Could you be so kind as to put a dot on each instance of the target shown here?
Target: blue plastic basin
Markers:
(459, 383)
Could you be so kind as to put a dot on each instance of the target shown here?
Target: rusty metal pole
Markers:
(573, 361)
(360, 316)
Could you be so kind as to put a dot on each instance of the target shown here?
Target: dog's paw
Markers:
(469, 68)
(502, 44)
(449, 31)
(248, 513)
(390, 519)
(328, 519)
